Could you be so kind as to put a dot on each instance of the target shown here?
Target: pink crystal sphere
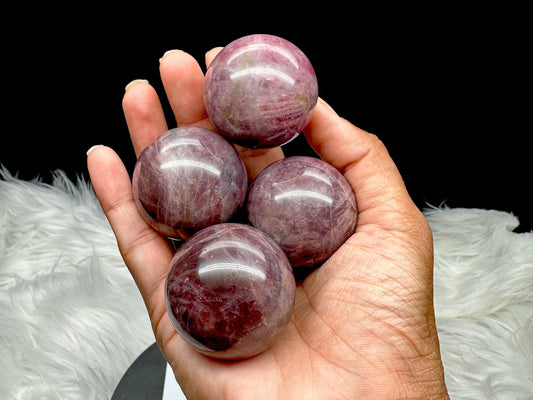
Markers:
(306, 206)
(230, 291)
(260, 91)
(187, 179)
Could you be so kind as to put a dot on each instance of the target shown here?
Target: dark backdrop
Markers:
(450, 97)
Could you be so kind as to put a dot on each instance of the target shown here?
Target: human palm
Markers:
(363, 325)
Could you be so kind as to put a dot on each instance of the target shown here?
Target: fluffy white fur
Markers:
(484, 303)
(71, 317)
(72, 320)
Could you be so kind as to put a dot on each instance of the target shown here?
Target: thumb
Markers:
(364, 161)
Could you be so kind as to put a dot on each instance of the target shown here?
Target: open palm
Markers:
(363, 324)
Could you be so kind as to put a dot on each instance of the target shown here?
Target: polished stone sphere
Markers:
(260, 91)
(306, 206)
(187, 179)
(230, 291)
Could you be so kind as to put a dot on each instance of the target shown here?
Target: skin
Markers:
(363, 326)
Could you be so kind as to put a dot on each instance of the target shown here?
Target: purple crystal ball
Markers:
(230, 291)
(187, 179)
(260, 91)
(306, 205)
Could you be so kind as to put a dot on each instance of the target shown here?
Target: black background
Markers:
(449, 93)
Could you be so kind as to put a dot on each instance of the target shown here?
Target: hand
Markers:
(363, 324)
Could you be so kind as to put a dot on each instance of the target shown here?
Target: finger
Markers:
(144, 114)
(362, 158)
(255, 160)
(145, 252)
(211, 54)
(183, 80)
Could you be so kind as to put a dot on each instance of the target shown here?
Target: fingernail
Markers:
(168, 52)
(135, 82)
(93, 148)
(320, 100)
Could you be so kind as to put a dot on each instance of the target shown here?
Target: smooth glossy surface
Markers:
(230, 291)
(260, 91)
(306, 205)
(187, 179)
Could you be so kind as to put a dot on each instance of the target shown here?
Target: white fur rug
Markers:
(72, 320)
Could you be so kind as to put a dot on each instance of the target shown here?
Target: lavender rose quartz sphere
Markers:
(306, 206)
(260, 91)
(230, 291)
(187, 179)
